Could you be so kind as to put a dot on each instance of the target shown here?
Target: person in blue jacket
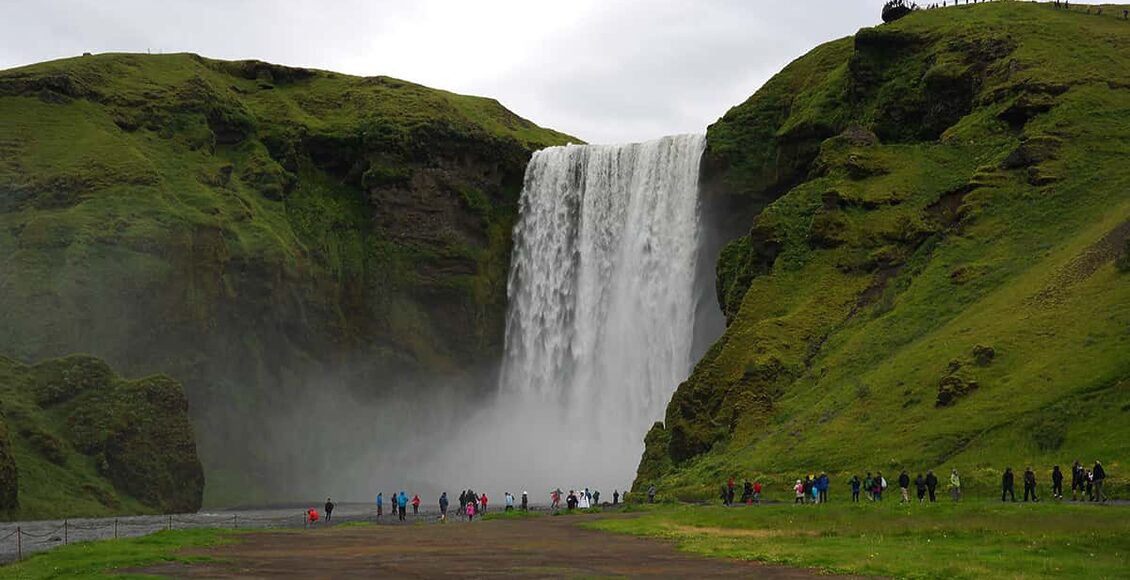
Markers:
(380, 504)
(822, 485)
(855, 485)
(402, 504)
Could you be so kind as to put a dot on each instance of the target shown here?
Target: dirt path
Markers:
(544, 547)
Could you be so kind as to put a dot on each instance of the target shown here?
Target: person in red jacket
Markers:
(483, 503)
(757, 492)
(312, 516)
(415, 505)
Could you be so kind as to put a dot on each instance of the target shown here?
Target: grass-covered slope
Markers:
(76, 440)
(244, 226)
(942, 279)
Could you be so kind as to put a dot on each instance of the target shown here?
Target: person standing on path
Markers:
(1057, 483)
(470, 511)
(904, 487)
(525, 501)
(329, 509)
(615, 497)
(402, 505)
(415, 504)
(869, 486)
(1098, 475)
(443, 507)
(1030, 484)
(799, 489)
(757, 493)
(931, 485)
(651, 494)
(483, 503)
(1076, 480)
(856, 484)
(380, 504)
(1008, 484)
(822, 485)
(955, 486)
(920, 487)
(508, 501)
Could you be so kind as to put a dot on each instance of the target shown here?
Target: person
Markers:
(615, 497)
(880, 486)
(402, 505)
(730, 491)
(380, 504)
(415, 504)
(595, 498)
(583, 501)
(955, 486)
(855, 485)
(931, 485)
(329, 509)
(555, 499)
(470, 511)
(747, 492)
(311, 516)
(571, 500)
(757, 493)
(822, 485)
(807, 488)
(651, 494)
(1057, 483)
(525, 501)
(869, 486)
(1008, 484)
(904, 486)
(1076, 480)
(920, 487)
(509, 499)
(1098, 475)
(799, 489)
(1030, 484)
(1088, 477)
(483, 503)
(815, 493)
(443, 507)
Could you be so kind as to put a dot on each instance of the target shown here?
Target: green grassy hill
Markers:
(940, 277)
(244, 227)
(78, 441)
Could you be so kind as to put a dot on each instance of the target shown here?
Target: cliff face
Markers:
(938, 277)
(76, 440)
(244, 226)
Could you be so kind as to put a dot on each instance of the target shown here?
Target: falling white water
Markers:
(602, 298)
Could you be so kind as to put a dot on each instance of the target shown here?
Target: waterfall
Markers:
(602, 296)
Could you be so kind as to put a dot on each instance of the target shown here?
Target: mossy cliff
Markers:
(939, 274)
(244, 226)
(77, 440)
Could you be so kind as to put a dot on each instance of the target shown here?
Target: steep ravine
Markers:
(270, 236)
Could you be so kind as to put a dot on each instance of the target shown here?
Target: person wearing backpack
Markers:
(1057, 483)
(931, 485)
(920, 487)
(855, 485)
(1098, 475)
(904, 487)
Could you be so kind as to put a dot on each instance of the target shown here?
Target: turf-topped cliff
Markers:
(940, 277)
(244, 227)
(76, 440)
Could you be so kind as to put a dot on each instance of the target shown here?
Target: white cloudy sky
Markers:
(605, 71)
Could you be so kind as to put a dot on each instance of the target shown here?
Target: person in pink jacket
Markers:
(470, 511)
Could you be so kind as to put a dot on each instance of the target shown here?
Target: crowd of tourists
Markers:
(1086, 485)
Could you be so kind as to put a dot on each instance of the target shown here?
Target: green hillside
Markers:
(244, 226)
(941, 277)
(78, 441)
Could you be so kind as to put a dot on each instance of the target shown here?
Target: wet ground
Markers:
(545, 547)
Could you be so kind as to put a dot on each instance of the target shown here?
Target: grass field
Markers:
(942, 540)
(99, 559)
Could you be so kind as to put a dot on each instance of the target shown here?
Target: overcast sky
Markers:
(602, 70)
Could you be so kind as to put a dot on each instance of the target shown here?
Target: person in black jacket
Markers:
(1098, 474)
(1077, 479)
(920, 487)
(1057, 483)
(904, 487)
(931, 485)
(329, 509)
(1030, 484)
(1008, 484)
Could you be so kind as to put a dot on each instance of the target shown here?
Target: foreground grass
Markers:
(969, 540)
(100, 558)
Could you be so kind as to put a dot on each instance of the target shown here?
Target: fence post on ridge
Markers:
(115, 528)
(65, 534)
(170, 522)
(19, 544)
